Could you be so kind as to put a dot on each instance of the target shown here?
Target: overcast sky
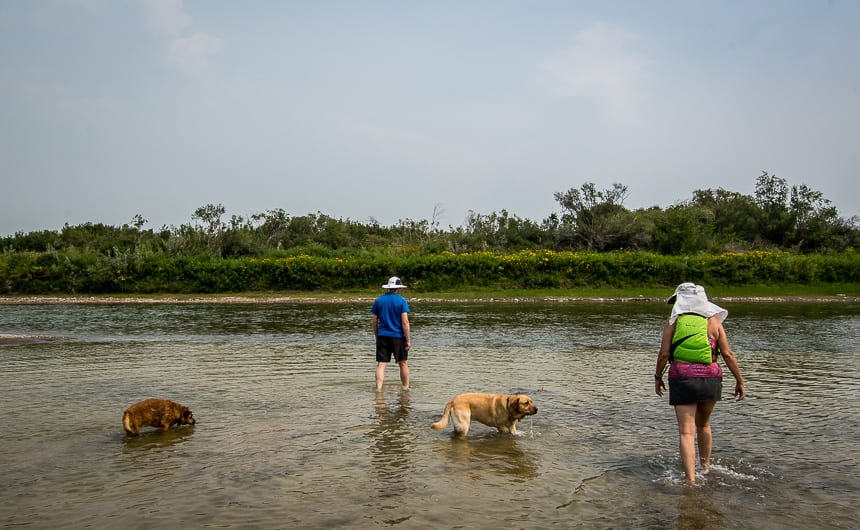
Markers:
(388, 110)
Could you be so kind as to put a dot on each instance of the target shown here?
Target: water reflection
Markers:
(393, 444)
(697, 511)
(498, 453)
(158, 439)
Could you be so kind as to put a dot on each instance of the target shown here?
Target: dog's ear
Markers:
(521, 404)
(186, 414)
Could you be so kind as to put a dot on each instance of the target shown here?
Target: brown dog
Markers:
(501, 411)
(155, 412)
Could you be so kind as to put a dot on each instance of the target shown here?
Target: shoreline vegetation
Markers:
(784, 241)
(526, 273)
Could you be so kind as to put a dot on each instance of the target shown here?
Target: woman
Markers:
(693, 338)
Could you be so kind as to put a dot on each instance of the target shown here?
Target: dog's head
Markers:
(521, 406)
(186, 418)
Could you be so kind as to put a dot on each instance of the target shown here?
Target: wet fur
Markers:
(501, 411)
(155, 412)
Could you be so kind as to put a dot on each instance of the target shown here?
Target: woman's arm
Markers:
(663, 357)
(716, 330)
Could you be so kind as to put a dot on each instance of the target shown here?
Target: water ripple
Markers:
(291, 433)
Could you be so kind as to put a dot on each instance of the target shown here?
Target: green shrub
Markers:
(74, 271)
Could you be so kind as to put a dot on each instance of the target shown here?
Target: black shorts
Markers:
(686, 390)
(386, 346)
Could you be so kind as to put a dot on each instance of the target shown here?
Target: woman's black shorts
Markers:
(685, 390)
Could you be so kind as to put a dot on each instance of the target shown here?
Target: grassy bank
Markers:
(549, 273)
(836, 292)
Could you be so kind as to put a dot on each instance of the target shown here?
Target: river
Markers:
(290, 432)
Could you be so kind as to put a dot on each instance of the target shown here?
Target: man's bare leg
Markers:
(404, 374)
(380, 375)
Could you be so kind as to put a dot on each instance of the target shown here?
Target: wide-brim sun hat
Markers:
(686, 288)
(394, 283)
(691, 298)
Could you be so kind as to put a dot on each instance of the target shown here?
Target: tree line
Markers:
(778, 217)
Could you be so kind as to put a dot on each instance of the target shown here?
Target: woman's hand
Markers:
(740, 391)
(659, 386)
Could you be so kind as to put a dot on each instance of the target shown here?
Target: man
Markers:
(391, 328)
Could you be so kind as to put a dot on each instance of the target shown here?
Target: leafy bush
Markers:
(124, 272)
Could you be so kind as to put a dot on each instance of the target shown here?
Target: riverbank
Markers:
(320, 298)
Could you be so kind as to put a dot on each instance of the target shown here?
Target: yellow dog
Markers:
(501, 411)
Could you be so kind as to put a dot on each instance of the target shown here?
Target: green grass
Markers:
(752, 291)
(849, 290)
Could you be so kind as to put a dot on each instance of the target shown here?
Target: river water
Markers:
(290, 432)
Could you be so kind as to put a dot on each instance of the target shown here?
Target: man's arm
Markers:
(407, 331)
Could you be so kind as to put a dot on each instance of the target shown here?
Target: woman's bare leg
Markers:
(703, 432)
(686, 415)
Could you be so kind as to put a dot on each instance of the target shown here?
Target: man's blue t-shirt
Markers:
(388, 308)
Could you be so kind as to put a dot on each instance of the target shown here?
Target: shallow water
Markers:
(290, 432)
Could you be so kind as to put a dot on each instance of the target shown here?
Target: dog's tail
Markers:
(443, 422)
(126, 423)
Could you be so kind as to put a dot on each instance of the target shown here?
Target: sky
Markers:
(414, 110)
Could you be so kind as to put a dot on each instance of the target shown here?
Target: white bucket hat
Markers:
(394, 283)
(691, 298)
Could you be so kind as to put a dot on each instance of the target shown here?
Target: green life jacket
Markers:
(690, 343)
